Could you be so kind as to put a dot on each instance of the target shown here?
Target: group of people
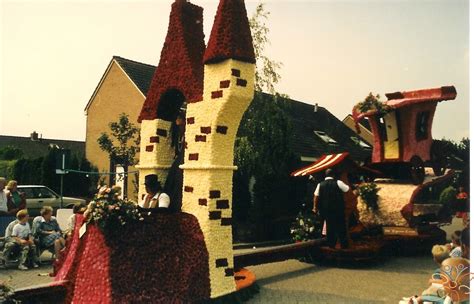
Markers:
(22, 241)
(448, 281)
(30, 241)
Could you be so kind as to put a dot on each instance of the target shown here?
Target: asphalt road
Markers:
(295, 282)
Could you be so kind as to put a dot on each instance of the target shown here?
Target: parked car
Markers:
(38, 196)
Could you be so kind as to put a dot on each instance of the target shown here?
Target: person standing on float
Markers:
(329, 201)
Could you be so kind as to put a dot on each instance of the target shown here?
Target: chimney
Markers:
(34, 136)
(315, 107)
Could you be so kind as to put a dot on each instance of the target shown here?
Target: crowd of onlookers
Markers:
(22, 242)
(450, 282)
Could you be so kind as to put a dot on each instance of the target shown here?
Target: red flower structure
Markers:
(230, 35)
(180, 66)
(162, 259)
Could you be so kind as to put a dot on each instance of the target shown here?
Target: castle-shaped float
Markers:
(186, 256)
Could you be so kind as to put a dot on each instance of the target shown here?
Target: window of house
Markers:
(328, 139)
(359, 142)
(422, 125)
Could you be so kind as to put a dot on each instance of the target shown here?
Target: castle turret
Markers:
(212, 124)
(177, 79)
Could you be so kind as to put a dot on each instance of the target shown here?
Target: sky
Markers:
(53, 54)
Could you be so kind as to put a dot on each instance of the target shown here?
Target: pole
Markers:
(62, 177)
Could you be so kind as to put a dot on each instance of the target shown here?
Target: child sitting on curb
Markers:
(435, 291)
(455, 245)
(23, 236)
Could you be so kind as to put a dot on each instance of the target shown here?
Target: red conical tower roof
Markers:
(180, 66)
(230, 35)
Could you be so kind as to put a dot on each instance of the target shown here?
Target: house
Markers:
(316, 132)
(123, 89)
(34, 146)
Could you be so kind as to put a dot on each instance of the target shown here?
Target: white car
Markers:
(38, 196)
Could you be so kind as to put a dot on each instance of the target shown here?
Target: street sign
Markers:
(63, 157)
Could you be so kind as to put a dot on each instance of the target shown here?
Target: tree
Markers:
(10, 153)
(123, 146)
(262, 151)
(266, 75)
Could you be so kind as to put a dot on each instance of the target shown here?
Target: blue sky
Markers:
(333, 52)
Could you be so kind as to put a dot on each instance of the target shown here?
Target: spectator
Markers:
(440, 253)
(434, 293)
(16, 199)
(462, 203)
(154, 198)
(71, 222)
(465, 243)
(48, 231)
(455, 246)
(10, 242)
(3, 197)
(23, 236)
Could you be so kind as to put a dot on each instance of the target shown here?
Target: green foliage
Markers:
(10, 153)
(118, 147)
(457, 154)
(7, 291)
(262, 150)
(306, 227)
(28, 171)
(123, 146)
(373, 103)
(448, 196)
(368, 193)
(42, 171)
(109, 212)
(266, 74)
(7, 168)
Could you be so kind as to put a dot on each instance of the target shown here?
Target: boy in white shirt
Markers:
(23, 236)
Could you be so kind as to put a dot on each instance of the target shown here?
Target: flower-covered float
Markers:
(121, 254)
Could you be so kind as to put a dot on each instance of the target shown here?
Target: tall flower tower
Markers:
(178, 78)
(211, 127)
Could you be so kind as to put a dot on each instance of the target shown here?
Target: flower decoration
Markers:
(305, 227)
(6, 291)
(368, 193)
(373, 103)
(109, 212)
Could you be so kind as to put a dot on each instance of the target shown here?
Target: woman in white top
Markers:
(154, 198)
(3, 197)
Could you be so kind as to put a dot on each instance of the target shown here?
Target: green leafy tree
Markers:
(262, 151)
(10, 153)
(123, 144)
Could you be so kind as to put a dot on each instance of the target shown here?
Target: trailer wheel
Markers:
(439, 160)
(417, 170)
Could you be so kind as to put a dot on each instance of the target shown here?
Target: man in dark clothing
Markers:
(329, 200)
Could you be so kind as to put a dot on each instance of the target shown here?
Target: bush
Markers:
(10, 153)
(448, 196)
(368, 193)
(6, 168)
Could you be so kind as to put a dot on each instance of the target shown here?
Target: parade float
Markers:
(398, 189)
(185, 256)
(157, 256)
